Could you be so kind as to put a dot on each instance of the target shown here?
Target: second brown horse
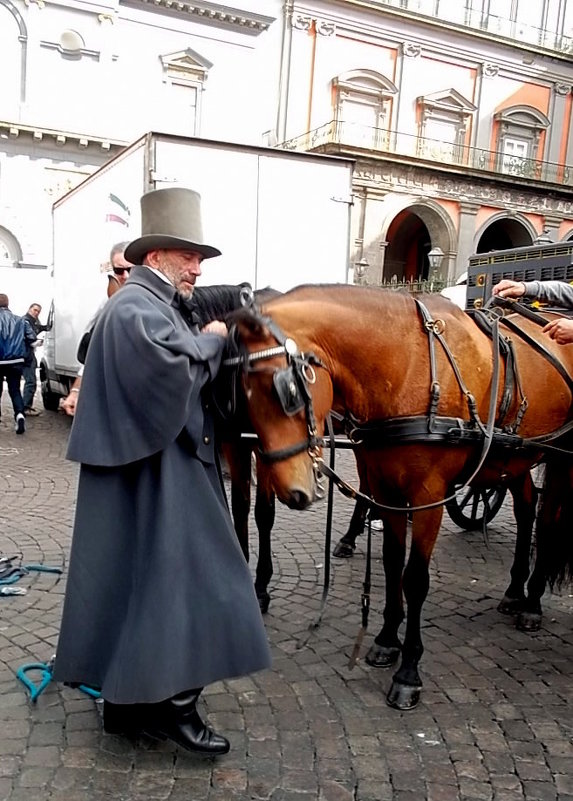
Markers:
(422, 411)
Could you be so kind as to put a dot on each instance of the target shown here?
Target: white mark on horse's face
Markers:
(249, 393)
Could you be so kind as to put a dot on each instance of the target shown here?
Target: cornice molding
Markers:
(208, 14)
(13, 130)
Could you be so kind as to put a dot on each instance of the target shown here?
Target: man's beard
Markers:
(175, 279)
(187, 293)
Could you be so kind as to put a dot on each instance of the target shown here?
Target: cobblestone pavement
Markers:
(495, 721)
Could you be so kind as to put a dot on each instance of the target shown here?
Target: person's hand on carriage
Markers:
(509, 289)
(560, 330)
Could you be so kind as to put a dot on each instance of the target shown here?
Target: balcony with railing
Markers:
(349, 137)
(474, 17)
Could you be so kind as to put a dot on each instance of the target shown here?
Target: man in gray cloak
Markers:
(159, 599)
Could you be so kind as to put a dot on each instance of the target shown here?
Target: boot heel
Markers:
(120, 718)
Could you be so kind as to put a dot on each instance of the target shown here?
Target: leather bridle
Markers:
(291, 385)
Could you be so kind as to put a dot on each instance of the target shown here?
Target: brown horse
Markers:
(429, 404)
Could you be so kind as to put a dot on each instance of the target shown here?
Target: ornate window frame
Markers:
(187, 68)
(524, 124)
(451, 108)
(369, 89)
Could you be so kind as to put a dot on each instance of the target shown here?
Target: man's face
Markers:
(34, 311)
(182, 267)
(120, 267)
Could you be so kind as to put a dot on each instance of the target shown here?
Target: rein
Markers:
(542, 440)
(434, 329)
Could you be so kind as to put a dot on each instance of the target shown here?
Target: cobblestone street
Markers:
(495, 722)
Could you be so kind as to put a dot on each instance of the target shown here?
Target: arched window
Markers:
(10, 250)
(12, 48)
(363, 108)
(519, 140)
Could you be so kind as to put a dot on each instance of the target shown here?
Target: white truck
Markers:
(280, 219)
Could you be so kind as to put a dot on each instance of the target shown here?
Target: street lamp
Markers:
(435, 259)
(360, 269)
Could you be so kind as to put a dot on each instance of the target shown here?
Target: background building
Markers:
(458, 114)
(82, 79)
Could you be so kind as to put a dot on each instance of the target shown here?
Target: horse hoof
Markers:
(264, 600)
(382, 656)
(403, 697)
(510, 606)
(343, 550)
(529, 621)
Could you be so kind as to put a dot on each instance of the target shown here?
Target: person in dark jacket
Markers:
(16, 337)
(29, 371)
(159, 599)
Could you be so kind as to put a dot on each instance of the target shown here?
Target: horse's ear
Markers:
(246, 321)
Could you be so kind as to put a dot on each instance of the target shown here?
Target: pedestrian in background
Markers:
(116, 279)
(16, 336)
(120, 268)
(29, 371)
(159, 599)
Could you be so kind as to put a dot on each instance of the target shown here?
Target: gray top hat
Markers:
(170, 219)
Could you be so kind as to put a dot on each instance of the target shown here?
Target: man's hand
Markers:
(215, 327)
(68, 405)
(560, 330)
(509, 289)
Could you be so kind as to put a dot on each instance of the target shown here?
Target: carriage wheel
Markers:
(470, 506)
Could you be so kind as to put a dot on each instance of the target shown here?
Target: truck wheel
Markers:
(50, 399)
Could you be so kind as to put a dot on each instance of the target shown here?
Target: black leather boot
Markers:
(178, 719)
(121, 718)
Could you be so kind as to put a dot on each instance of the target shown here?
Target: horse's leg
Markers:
(386, 647)
(524, 496)
(345, 546)
(265, 518)
(553, 530)
(406, 683)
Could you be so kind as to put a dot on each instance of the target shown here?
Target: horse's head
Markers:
(288, 393)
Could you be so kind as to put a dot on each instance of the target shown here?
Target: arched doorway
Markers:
(410, 236)
(408, 244)
(503, 234)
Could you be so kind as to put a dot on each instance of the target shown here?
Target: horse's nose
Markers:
(298, 499)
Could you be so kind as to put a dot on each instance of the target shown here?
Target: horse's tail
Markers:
(554, 528)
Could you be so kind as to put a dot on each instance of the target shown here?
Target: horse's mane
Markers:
(219, 301)
(345, 292)
(215, 302)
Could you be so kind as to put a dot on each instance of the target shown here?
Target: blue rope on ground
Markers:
(12, 574)
(46, 670)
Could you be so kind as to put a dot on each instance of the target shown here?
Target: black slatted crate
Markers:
(542, 262)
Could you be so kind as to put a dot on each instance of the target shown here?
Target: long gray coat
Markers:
(159, 598)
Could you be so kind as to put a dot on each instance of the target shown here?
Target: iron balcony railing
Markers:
(458, 13)
(415, 286)
(353, 135)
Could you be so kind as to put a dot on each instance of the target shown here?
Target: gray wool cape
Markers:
(159, 597)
